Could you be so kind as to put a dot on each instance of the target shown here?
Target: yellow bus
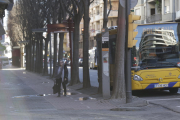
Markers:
(155, 58)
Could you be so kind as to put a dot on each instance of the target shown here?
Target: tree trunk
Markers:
(41, 55)
(99, 49)
(119, 90)
(37, 56)
(86, 78)
(55, 53)
(105, 20)
(33, 56)
(30, 55)
(45, 56)
(26, 56)
(75, 67)
(60, 55)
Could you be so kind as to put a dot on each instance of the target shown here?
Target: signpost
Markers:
(105, 66)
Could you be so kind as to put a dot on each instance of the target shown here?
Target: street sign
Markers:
(103, 30)
(133, 3)
(105, 34)
(105, 38)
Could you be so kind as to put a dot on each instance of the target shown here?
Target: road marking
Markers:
(177, 106)
(165, 99)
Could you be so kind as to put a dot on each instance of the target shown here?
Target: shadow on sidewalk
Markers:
(92, 91)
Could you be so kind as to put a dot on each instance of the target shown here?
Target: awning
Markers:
(2, 31)
(10, 5)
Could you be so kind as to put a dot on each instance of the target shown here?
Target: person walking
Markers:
(61, 75)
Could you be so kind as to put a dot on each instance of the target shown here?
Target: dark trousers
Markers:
(58, 82)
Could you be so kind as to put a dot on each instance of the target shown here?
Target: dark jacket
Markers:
(65, 72)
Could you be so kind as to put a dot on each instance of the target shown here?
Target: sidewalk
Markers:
(77, 98)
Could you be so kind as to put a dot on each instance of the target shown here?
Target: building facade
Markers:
(157, 11)
(96, 22)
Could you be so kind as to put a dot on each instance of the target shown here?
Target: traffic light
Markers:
(131, 27)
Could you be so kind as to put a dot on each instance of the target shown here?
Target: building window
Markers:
(166, 9)
(137, 12)
(111, 23)
(152, 11)
(101, 9)
(97, 10)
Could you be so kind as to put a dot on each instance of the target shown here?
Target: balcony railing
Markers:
(154, 18)
(149, 1)
(167, 17)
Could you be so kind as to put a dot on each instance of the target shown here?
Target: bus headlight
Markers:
(179, 77)
(137, 78)
(178, 64)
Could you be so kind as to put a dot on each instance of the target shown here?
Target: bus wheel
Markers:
(173, 90)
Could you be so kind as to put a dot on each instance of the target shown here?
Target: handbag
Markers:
(66, 81)
(55, 88)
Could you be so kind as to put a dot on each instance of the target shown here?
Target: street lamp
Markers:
(82, 31)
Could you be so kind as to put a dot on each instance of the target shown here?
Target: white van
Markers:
(4, 60)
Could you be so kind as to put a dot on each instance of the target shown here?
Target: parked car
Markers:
(10, 60)
(4, 60)
(80, 62)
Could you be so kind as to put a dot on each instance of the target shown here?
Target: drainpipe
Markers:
(173, 5)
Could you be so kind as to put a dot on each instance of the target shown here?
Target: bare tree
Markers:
(31, 14)
(105, 20)
(119, 90)
(75, 11)
(86, 78)
(61, 17)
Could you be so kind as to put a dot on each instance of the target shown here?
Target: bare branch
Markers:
(109, 8)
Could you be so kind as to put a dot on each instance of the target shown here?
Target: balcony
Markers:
(178, 15)
(167, 17)
(92, 19)
(151, 1)
(154, 18)
(113, 13)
